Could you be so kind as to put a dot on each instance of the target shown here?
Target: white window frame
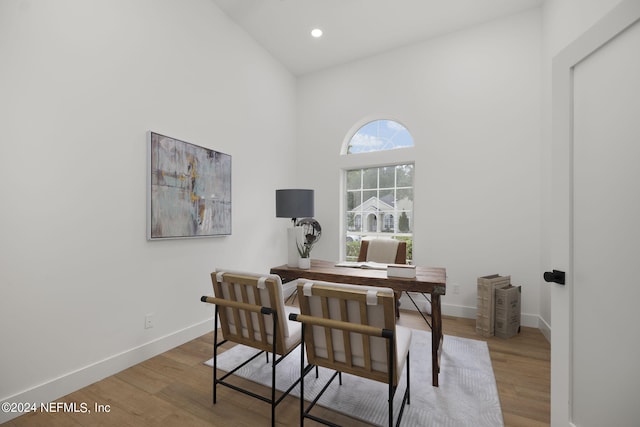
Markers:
(370, 159)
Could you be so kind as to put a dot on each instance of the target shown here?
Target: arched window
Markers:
(379, 135)
(378, 199)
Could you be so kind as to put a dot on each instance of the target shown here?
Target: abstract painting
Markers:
(189, 190)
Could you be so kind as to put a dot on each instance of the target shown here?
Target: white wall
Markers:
(563, 22)
(471, 99)
(80, 85)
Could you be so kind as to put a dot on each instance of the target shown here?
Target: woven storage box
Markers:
(507, 311)
(485, 315)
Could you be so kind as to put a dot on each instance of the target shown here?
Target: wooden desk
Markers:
(428, 280)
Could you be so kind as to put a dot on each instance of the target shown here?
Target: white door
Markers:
(595, 344)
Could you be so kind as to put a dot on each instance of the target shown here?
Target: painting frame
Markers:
(188, 190)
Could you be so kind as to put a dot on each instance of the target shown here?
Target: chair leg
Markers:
(406, 399)
(302, 378)
(274, 317)
(408, 381)
(215, 377)
(390, 369)
(273, 392)
(215, 354)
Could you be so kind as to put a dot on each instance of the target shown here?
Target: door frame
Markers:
(615, 22)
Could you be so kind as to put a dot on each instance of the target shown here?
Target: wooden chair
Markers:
(386, 251)
(351, 328)
(251, 311)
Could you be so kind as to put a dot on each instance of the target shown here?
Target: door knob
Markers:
(555, 276)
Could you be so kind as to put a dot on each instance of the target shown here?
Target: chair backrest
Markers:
(350, 352)
(386, 251)
(251, 327)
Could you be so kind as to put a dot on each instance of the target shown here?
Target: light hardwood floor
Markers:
(174, 388)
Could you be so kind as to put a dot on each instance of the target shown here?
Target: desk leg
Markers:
(436, 337)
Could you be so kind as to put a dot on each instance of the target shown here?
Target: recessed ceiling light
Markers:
(316, 32)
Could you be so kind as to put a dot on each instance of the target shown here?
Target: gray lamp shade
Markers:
(294, 203)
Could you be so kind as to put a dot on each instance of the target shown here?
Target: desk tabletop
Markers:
(428, 279)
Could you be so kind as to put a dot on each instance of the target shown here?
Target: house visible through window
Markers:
(379, 200)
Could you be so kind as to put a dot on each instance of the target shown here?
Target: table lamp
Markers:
(293, 203)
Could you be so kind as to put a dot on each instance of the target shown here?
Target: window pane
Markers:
(370, 179)
(370, 197)
(353, 199)
(353, 179)
(405, 198)
(405, 223)
(353, 249)
(357, 221)
(353, 222)
(379, 135)
(388, 225)
(383, 210)
(387, 199)
(405, 175)
(387, 177)
(370, 222)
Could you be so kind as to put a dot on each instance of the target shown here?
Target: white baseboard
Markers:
(545, 328)
(68, 383)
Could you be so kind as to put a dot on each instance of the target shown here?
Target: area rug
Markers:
(467, 395)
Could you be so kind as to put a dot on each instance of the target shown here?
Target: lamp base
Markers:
(292, 260)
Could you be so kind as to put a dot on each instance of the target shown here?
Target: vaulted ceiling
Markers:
(354, 29)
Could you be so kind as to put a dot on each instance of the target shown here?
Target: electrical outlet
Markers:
(148, 321)
(456, 289)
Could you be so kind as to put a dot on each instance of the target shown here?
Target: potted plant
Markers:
(304, 250)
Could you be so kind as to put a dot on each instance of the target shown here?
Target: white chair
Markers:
(251, 311)
(351, 328)
(385, 251)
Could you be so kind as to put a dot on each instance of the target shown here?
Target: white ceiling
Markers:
(355, 29)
